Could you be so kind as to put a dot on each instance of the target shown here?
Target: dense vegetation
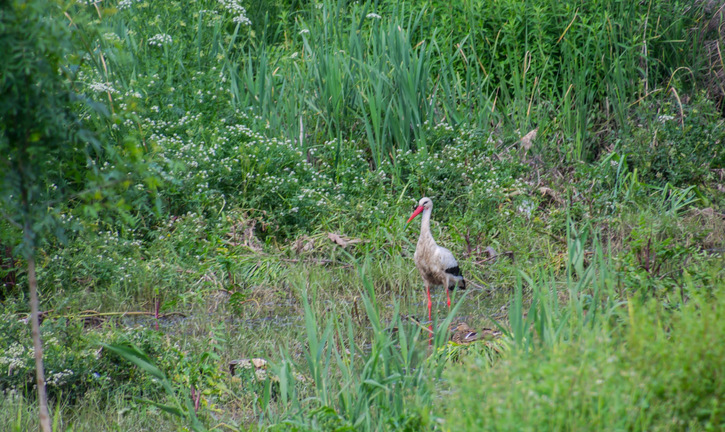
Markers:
(218, 195)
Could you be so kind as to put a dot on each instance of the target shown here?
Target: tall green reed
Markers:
(180, 403)
(559, 311)
(371, 74)
(366, 374)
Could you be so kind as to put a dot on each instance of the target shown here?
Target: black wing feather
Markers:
(454, 271)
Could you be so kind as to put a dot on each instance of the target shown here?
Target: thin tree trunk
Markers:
(35, 323)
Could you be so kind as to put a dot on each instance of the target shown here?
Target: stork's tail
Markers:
(460, 283)
(455, 274)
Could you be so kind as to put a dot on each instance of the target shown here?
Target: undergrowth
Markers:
(258, 274)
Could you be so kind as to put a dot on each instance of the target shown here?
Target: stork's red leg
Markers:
(430, 303)
(448, 295)
(430, 315)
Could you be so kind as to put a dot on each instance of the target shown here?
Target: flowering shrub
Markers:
(76, 364)
(73, 362)
(210, 154)
(462, 167)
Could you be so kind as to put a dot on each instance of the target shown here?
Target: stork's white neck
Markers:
(425, 234)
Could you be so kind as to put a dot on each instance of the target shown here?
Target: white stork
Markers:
(436, 264)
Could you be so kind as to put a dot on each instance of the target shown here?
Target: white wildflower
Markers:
(58, 378)
(125, 4)
(14, 357)
(101, 87)
(526, 208)
(241, 19)
(111, 37)
(160, 39)
(236, 9)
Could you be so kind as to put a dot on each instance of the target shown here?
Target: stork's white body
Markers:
(436, 264)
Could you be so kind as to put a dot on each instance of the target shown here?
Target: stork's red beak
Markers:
(415, 213)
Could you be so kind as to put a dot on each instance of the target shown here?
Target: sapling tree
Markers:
(49, 159)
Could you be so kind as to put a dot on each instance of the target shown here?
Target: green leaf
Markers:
(169, 409)
(137, 357)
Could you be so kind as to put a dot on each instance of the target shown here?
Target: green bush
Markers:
(660, 371)
(75, 363)
(666, 147)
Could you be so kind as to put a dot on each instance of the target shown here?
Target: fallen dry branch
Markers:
(509, 254)
(416, 322)
(94, 314)
(318, 261)
(342, 241)
(477, 286)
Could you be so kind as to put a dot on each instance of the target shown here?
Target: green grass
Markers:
(648, 368)
(335, 118)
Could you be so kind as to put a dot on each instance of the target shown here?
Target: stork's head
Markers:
(425, 203)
